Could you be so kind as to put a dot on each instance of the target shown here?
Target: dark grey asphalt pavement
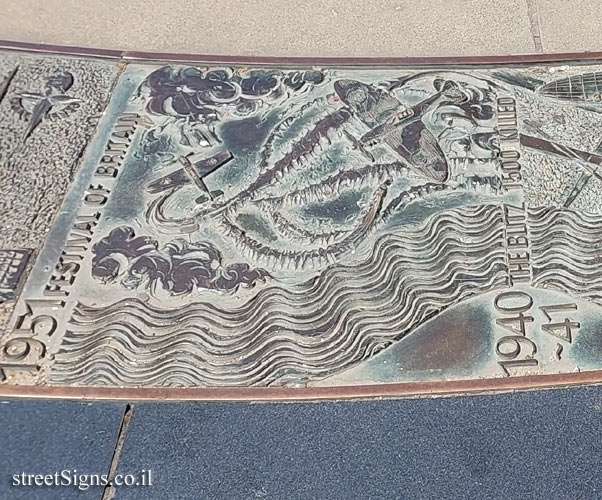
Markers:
(544, 444)
(46, 437)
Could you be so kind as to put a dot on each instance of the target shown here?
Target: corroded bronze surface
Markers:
(320, 228)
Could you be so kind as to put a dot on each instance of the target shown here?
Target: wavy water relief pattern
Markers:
(567, 252)
(292, 334)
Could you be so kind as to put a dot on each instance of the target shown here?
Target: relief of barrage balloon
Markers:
(584, 88)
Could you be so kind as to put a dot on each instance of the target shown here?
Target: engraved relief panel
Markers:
(306, 226)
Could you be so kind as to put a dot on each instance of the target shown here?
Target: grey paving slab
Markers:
(527, 445)
(48, 437)
(570, 26)
(283, 27)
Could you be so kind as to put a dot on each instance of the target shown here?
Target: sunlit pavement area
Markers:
(316, 28)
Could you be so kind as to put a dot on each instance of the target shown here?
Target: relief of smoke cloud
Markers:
(296, 333)
(194, 100)
(466, 128)
(193, 93)
(179, 267)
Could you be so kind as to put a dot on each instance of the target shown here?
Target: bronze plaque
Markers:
(321, 232)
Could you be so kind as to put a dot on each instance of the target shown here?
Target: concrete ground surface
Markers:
(312, 28)
(536, 445)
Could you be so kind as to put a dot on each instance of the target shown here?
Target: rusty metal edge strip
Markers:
(141, 56)
(365, 61)
(275, 394)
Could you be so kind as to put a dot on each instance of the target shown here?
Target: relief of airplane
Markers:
(400, 128)
(193, 170)
(53, 101)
